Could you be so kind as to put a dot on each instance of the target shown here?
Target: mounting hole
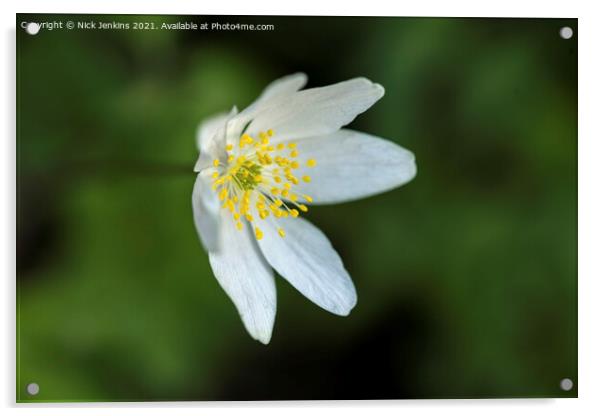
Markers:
(566, 384)
(32, 28)
(33, 389)
(566, 32)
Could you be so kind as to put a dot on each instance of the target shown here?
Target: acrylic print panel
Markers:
(290, 208)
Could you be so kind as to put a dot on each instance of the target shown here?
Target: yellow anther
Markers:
(245, 139)
(222, 194)
(245, 179)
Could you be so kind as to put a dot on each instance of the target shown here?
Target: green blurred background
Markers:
(466, 277)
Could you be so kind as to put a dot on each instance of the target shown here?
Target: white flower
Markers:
(259, 169)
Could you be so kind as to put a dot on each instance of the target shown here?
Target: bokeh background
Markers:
(466, 277)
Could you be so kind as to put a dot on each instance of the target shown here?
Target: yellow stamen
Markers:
(259, 181)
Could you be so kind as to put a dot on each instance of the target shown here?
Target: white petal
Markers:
(277, 90)
(352, 165)
(316, 111)
(244, 274)
(307, 260)
(208, 128)
(283, 86)
(211, 138)
(205, 210)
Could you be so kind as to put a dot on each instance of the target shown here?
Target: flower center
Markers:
(257, 180)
